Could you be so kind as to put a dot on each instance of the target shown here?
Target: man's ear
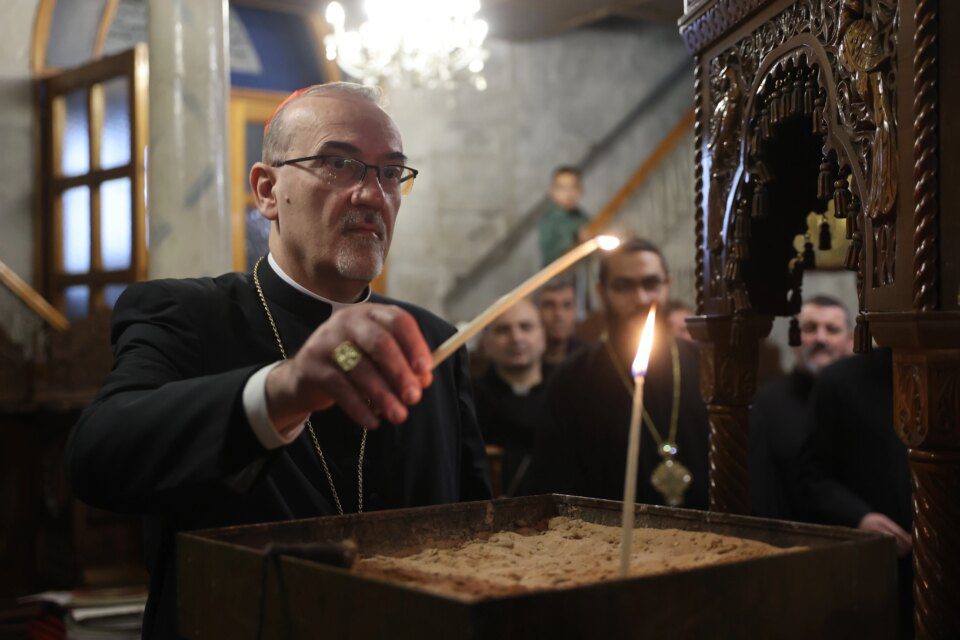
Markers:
(263, 180)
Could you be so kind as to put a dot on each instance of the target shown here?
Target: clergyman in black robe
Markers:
(582, 449)
(585, 443)
(199, 424)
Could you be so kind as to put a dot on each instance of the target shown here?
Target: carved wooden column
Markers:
(728, 382)
(926, 388)
(875, 81)
(927, 418)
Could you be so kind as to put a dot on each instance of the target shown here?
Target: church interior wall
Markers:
(16, 161)
(662, 210)
(486, 156)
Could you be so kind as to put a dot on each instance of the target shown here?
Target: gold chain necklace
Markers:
(669, 477)
(313, 434)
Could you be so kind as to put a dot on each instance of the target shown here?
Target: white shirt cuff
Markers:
(255, 406)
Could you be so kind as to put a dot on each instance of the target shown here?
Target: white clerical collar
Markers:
(302, 289)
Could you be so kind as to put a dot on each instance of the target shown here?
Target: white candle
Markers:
(558, 266)
(639, 371)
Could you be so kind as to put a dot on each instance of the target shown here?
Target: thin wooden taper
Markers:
(506, 301)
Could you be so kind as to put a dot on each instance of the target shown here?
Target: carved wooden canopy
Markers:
(805, 112)
(840, 109)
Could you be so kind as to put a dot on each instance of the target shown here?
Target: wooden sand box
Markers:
(557, 553)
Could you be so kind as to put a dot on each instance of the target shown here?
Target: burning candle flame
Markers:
(639, 368)
(608, 243)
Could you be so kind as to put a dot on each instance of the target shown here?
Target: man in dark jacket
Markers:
(511, 395)
(778, 416)
(256, 397)
(853, 468)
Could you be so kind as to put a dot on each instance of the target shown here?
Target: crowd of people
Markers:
(822, 444)
(255, 397)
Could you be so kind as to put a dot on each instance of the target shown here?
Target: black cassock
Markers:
(778, 426)
(583, 448)
(851, 461)
(511, 421)
(167, 436)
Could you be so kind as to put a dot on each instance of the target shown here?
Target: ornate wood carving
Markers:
(911, 405)
(927, 398)
(724, 141)
(927, 419)
(725, 376)
(728, 382)
(885, 251)
(715, 21)
(729, 453)
(698, 181)
(831, 63)
(834, 64)
(936, 547)
(925, 153)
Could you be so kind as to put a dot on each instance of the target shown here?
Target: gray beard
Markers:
(361, 259)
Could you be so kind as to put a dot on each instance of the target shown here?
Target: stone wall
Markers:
(486, 156)
(662, 211)
(17, 130)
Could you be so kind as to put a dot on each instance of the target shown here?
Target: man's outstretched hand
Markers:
(393, 371)
(882, 524)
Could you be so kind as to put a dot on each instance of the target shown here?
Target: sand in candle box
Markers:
(814, 577)
(557, 553)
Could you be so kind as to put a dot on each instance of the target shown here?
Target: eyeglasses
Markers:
(338, 171)
(649, 284)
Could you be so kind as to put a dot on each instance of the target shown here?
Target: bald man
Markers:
(290, 391)
(511, 395)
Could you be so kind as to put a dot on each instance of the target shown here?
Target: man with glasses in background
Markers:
(256, 397)
(582, 449)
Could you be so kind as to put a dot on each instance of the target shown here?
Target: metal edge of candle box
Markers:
(843, 585)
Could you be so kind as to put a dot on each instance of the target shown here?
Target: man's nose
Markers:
(369, 190)
(645, 297)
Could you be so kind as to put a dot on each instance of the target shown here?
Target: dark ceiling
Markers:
(531, 19)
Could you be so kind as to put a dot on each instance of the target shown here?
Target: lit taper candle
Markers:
(639, 371)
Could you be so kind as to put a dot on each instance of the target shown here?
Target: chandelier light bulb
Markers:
(335, 15)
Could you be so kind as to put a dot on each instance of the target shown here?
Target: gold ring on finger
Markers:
(347, 356)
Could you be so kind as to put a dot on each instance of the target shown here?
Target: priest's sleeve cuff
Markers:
(255, 406)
